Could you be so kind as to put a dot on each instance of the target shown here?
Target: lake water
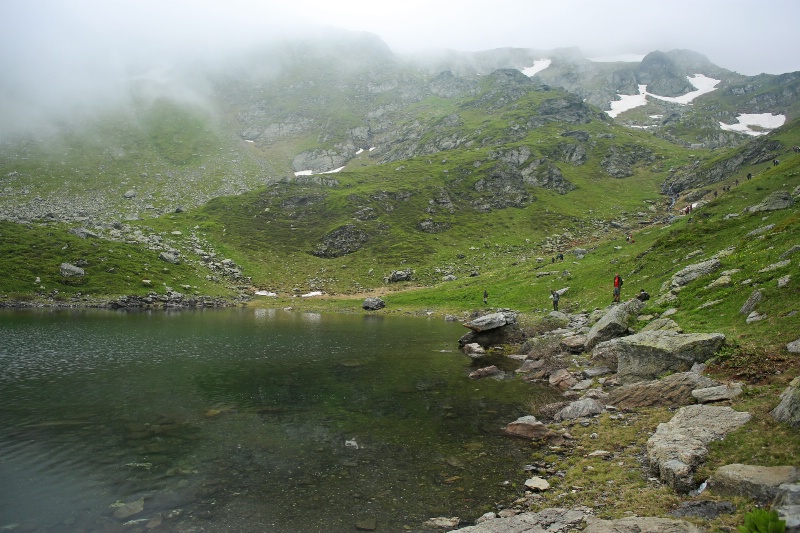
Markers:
(247, 420)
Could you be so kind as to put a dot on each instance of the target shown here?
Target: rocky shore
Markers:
(608, 374)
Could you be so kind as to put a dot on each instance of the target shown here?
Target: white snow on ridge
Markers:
(703, 84)
(304, 173)
(538, 66)
(762, 120)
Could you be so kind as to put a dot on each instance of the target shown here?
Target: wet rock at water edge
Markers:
(373, 304)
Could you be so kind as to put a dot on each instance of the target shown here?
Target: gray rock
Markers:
(551, 520)
(574, 343)
(752, 301)
(720, 392)
(692, 272)
(787, 505)
(650, 354)
(473, 350)
(637, 524)
(788, 410)
(528, 427)
(596, 372)
(794, 346)
(537, 484)
(129, 194)
(678, 447)
(485, 372)
(775, 201)
(69, 270)
(583, 408)
(373, 304)
(614, 323)
(399, 275)
(673, 390)
(491, 321)
(708, 509)
(562, 379)
(170, 257)
(757, 482)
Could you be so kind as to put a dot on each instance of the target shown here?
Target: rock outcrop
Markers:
(672, 390)
(614, 323)
(788, 410)
(757, 482)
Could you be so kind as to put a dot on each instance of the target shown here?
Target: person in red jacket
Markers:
(617, 287)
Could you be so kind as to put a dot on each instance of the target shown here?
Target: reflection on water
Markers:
(246, 420)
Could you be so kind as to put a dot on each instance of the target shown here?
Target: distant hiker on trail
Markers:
(642, 296)
(749, 176)
(617, 287)
(560, 256)
(555, 296)
(485, 297)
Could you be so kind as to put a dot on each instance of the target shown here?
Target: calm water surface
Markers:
(247, 420)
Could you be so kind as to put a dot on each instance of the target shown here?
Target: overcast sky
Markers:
(64, 48)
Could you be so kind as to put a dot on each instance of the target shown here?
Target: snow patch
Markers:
(265, 293)
(360, 150)
(310, 294)
(626, 102)
(761, 120)
(538, 66)
(304, 173)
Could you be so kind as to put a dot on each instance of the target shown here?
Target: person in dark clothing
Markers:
(643, 296)
(555, 296)
(617, 287)
(485, 296)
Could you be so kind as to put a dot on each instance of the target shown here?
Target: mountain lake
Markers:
(245, 420)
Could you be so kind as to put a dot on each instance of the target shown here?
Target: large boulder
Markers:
(787, 505)
(692, 272)
(373, 304)
(492, 329)
(528, 427)
(650, 354)
(775, 201)
(583, 408)
(672, 390)
(757, 482)
(788, 410)
(678, 447)
(614, 323)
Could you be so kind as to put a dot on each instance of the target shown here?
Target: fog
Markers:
(62, 56)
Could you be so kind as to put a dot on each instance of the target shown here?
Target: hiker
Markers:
(617, 287)
(642, 296)
(485, 297)
(749, 176)
(555, 296)
(560, 256)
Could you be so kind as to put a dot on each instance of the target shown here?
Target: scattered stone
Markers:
(707, 509)
(373, 304)
(574, 343)
(562, 379)
(69, 270)
(129, 194)
(530, 365)
(485, 372)
(596, 372)
(129, 509)
(673, 390)
(722, 281)
(788, 410)
(663, 324)
(170, 257)
(775, 201)
(474, 350)
(718, 393)
(757, 482)
(442, 522)
(790, 251)
(527, 427)
(692, 272)
(537, 484)
(794, 346)
(367, 524)
(784, 281)
(552, 520)
(754, 316)
(583, 408)
(759, 231)
(583, 384)
(775, 266)
(678, 447)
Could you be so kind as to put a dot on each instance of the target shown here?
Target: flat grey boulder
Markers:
(787, 505)
(170, 257)
(678, 447)
(636, 524)
(614, 323)
(492, 321)
(692, 272)
(662, 324)
(788, 410)
(793, 347)
(757, 482)
(673, 390)
(717, 393)
(69, 270)
(775, 201)
(528, 427)
(551, 520)
(650, 354)
(583, 408)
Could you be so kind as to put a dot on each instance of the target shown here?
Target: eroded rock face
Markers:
(773, 202)
(341, 241)
(672, 390)
(692, 272)
(614, 323)
(637, 524)
(69, 270)
(678, 447)
(650, 354)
